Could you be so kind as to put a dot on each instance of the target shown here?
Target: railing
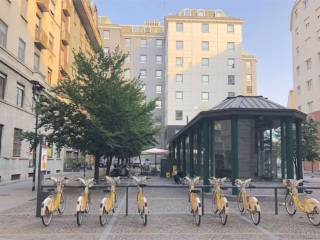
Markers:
(127, 186)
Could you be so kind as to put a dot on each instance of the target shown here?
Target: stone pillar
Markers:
(191, 174)
(289, 149)
(234, 152)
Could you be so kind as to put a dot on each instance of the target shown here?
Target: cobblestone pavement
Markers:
(169, 218)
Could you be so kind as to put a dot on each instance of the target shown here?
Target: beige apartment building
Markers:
(145, 46)
(36, 42)
(305, 31)
(206, 63)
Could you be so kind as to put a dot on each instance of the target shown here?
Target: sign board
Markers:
(44, 157)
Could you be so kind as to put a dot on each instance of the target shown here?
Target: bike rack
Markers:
(127, 186)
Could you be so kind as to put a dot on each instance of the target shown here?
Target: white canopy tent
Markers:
(155, 152)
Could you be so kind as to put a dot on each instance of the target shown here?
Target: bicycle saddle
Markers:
(106, 190)
(50, 190)
(142, 185)
(195, 191)
(308, 191)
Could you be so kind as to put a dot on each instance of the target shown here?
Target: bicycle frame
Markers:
(108, 202)
(193, 197)
(249, 203)
(141, 199)
(83, 200)
(220, 202)
(52, 202)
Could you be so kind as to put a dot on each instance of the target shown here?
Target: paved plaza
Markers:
(169, 218)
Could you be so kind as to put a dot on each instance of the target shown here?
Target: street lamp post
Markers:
(36, 89)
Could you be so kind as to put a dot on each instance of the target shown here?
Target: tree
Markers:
(310, 140)
(98, 111)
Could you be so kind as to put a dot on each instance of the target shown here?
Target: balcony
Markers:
(65, 37)
(66, 7)
(43, 5)
(41, 39)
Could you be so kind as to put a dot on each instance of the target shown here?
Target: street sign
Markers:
(44, 157)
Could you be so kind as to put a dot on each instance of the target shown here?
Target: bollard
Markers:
(276, 201)
(202, 200)
(127, 203)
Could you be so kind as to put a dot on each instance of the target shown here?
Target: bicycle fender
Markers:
(199, 206)
(226, 205)
(78, 207)
(310, 204)
(102, 205)
(47, 203)
(254, 204)
(145, 205)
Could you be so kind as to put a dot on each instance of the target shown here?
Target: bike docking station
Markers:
(204, 188)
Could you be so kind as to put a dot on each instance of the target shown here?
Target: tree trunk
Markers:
(96, 168)
(109, 162)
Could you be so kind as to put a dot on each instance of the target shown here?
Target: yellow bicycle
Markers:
(310, 206)
(195, 203)
(108, 202)
(141, 199)
(53, 203)
(248, 203)
(83, 202)
(220, 203)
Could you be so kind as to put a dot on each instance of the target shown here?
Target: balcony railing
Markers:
(43, 5)
(65, 37)
(41, 39)
(66, 7)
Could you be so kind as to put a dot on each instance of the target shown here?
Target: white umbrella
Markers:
(155, 151)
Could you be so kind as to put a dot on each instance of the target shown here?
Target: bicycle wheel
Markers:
(240, 203)
(197, 218)
(255, 216)
(314, 217)
(87, 210)
(103, 218)
(46, 219)
(62, 206)
(223, 217)
(79, 218)
(144, 218)
(289, 204)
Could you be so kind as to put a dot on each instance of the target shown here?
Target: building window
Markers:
(143, 73)
(1, 130)
(158, 104)
(17, 142)
(128, 59)
(143, 88)
(231, 80)
(143, 59)
(159, 59)
(231, 64)
(298, 70)
(159, 89)
(204, 96)
(3, 33)
(205, 62)
(36, 64)
(205, 27)
(179, 78)
(249, 65)
(106, 34)
(127, 73)
(231, 94)
(249, 79)
(159, 43)
(249, 89)
(143, 43)
(127, 42)
(3, 81)
(158, 74)
(179, 61)
(20, 95)
(205, 79)
(51, 41)
(106, 50)
(309, 63)
(230, 28)
(24, 8)
(298, 90)
(307, 24)
(299, 108)
(297, 50)
(179, 27)
(179, 44)
(310, 107)
(179, 115)
(205, 46)
(309, 84)
(179, 95)
(49, 75)
(231, 46)
(22, 50)
(305, 3)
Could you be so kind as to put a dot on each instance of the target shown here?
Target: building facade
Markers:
(33, 38)
(145, 46)
(305, 31)
(205, 64)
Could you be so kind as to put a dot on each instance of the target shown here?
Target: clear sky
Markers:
(266, 32)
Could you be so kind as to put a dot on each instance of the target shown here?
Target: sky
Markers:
(266, 32)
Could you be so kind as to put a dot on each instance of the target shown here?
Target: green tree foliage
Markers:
(98, 111)
(310, 140)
